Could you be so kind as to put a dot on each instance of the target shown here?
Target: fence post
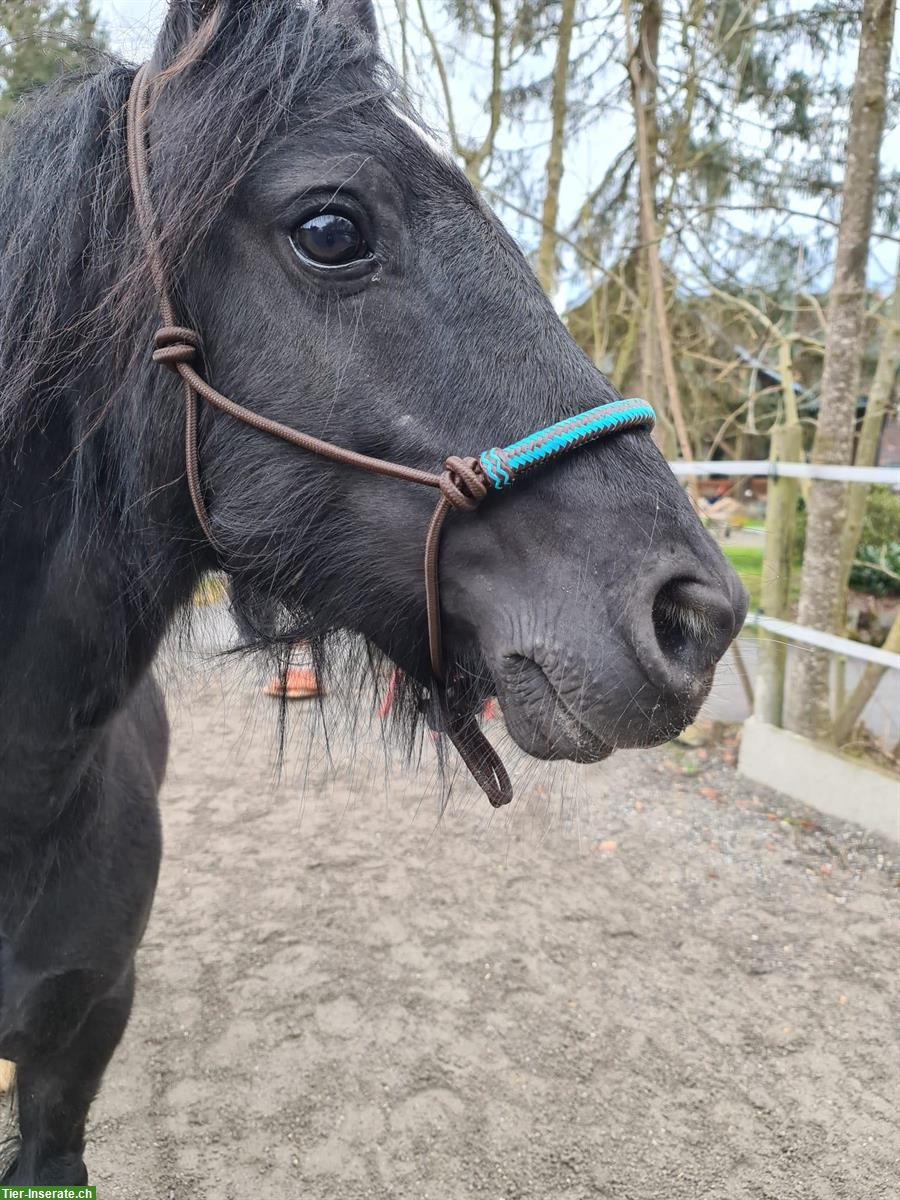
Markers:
(781, 509)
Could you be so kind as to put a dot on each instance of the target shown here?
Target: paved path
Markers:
(728, 701)
(643, 981)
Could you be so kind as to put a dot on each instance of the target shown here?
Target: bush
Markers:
(872, 580)
(799, 533)
(881, 524)
(879, 544)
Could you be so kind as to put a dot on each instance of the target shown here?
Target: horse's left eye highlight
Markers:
(330, 239)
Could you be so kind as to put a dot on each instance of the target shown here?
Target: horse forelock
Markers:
(73, 273)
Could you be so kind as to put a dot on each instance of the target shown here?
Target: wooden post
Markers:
(853, 708)
(807, 709)
(781, 509)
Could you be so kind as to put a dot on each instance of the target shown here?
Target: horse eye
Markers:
(330, 239)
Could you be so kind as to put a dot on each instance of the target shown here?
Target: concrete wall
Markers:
(822, 778)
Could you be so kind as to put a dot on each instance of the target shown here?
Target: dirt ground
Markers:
(649, 980)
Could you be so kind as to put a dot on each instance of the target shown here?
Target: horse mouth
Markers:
(540, 719)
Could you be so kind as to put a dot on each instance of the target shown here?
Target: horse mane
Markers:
(78, 310)
(72, 266)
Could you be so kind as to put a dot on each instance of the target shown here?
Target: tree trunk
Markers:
(475, 158)
(644, 86)
(625, 353)
(547, 251)
(781, 513)
(85, 22)
(881, 393)
(651, 240)
(644, 81)
(807, 709)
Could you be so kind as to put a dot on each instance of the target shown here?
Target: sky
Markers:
(132, 25)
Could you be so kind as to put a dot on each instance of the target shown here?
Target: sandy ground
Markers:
(656, 982)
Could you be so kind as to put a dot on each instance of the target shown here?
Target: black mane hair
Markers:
(73, 270)
(78, 310)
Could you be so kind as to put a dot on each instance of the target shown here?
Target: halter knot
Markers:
(462, 483)
(175, 344)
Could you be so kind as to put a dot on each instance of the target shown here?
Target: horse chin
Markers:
(549, 720)
(539, 719)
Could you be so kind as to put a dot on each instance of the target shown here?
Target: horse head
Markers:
(347, 280)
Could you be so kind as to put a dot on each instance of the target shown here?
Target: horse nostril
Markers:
(693, 622)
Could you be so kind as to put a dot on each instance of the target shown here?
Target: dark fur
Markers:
(564, 598)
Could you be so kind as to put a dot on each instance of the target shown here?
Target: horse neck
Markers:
(89, 581)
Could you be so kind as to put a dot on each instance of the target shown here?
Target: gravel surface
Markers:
(645, 979)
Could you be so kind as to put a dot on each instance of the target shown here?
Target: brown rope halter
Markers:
(461, 485)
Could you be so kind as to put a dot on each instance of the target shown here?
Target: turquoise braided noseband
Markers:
(502, 466)
(464, 483)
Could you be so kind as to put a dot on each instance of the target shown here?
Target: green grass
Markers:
(748, 562)
(211, 589)
(745, 558)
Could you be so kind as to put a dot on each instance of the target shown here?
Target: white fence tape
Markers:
(824, 641)
(793, 470)
(761, 467)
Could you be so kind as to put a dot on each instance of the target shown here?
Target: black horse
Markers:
(348, 281)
